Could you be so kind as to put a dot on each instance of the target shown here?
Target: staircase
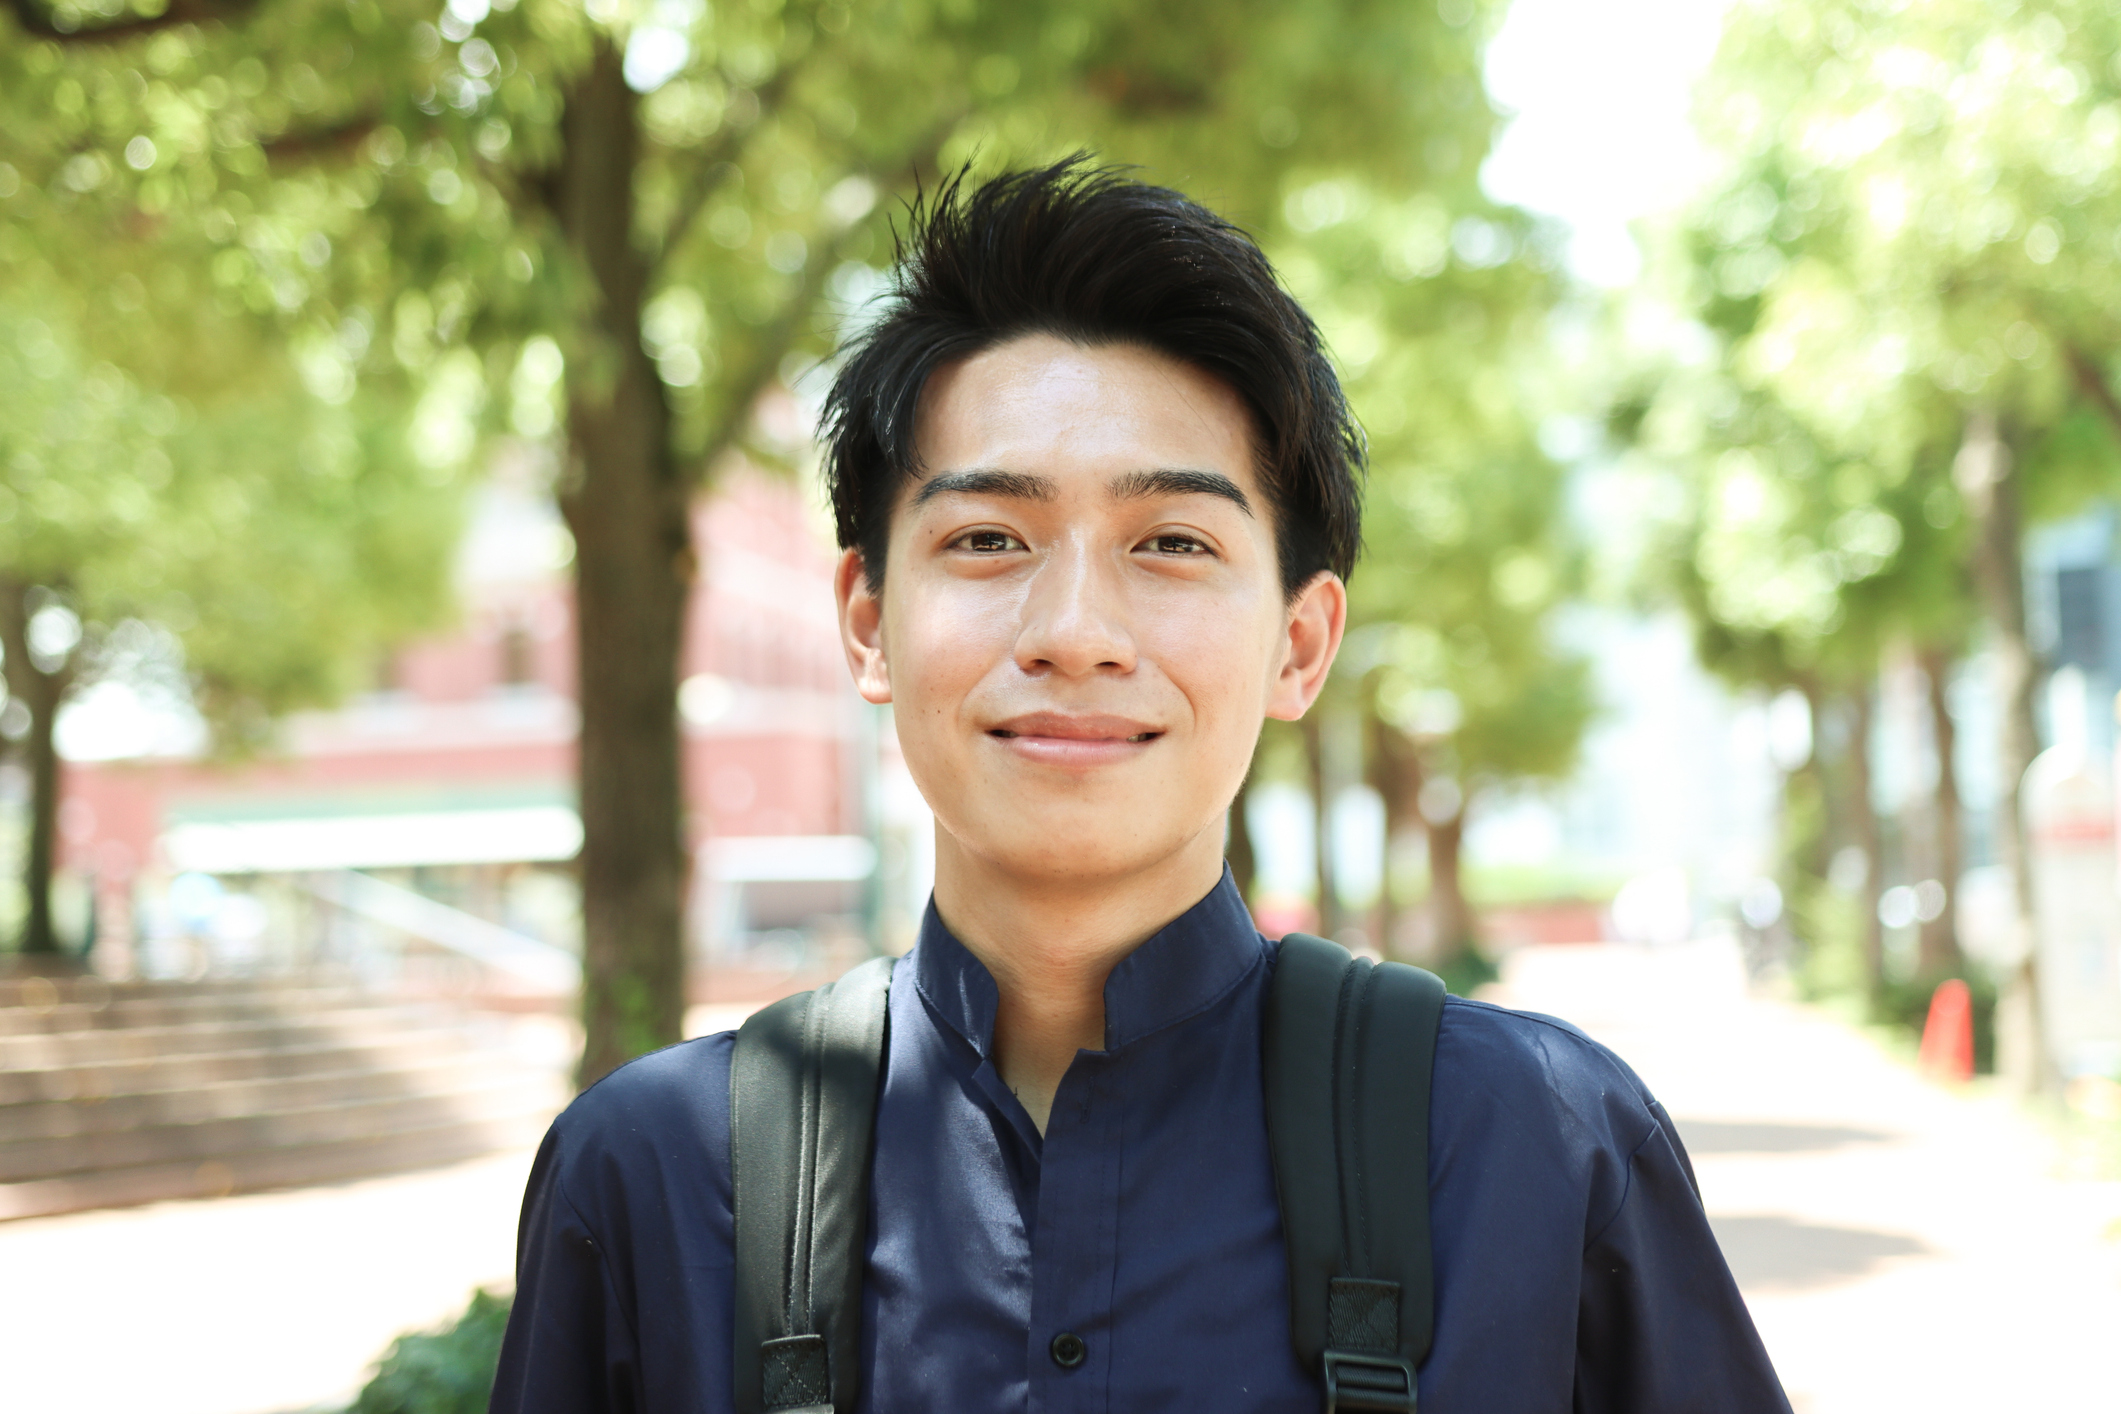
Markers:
(114, 1094)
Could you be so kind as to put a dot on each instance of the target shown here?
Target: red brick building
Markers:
(454, 778)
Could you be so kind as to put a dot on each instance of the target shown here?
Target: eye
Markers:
(1173, 542)
(987, 542)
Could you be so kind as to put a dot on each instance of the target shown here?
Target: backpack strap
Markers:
(803, 1088)
(1349, 1051)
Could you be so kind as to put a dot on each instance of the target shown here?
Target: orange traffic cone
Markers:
(1948, 1035)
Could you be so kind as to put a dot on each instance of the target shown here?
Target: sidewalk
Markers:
(251, 1305)
(1902, 1247)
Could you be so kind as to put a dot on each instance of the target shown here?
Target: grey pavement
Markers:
(248, 1305)
(1903, 1246)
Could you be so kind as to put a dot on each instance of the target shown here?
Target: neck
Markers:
(1051, 943)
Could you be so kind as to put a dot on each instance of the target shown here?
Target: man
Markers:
(1096, 487)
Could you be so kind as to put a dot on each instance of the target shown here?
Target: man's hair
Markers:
(1087, 254)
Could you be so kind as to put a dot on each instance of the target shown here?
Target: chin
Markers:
(1076, 845)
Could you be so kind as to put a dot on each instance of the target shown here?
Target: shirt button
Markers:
(1068, 1350)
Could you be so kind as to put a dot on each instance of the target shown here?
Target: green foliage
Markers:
(406, 206)
(1911, 225)
(1830, 926)
(375, 183)
(1906, 250)
(448, 1371)
(370, 187)
(1436, 314)
(277, 540)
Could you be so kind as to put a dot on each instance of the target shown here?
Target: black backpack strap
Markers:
(802, 1117)
(1350, 1048)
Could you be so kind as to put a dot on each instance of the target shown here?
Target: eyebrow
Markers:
(1130, 486)
(987, 482)
(1178, 481)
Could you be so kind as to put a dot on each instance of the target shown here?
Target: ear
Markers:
(1318, 616)
(861, 628)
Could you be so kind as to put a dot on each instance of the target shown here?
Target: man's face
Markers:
(1082, 624)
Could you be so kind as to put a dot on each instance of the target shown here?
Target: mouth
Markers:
(1067, 740)
(1004, 734)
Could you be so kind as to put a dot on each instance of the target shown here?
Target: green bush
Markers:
(1830, 926)
(449, 1371)
(1466, 970)
(1830, 969)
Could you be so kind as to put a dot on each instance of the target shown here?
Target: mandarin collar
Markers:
(1181, 970)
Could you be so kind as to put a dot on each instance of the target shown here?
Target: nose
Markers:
(1074, 617)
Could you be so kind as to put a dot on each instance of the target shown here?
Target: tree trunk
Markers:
(1940, 952)
(1395, 774)
(1870, 836)
(1314, 733)
(40, 693)
(1451, 929)
(627, 505)
(1986, 472)
(1825, 776)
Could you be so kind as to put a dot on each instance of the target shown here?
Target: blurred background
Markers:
(422, 695)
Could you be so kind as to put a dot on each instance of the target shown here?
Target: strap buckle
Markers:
(796, 1381)
(1382, 1382)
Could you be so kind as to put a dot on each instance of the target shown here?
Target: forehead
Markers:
(1039, 403)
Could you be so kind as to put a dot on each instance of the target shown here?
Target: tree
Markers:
(266, 549)
(1797, 564)
(1453, 662)
(1457, 685)
(1907, 256)
(640, 213)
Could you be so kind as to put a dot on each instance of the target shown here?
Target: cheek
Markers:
(941, 644)
(1216, 653)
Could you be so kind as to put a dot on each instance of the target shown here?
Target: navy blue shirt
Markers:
(1575, 1269)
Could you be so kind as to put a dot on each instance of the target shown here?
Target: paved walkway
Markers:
(247, 1305)
(1904, 1248)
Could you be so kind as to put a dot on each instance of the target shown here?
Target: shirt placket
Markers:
(1074, 1246)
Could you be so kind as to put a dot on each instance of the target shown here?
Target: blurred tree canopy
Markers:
(266, 546)
(1436, 306)
(1907, 273)
(625, 220)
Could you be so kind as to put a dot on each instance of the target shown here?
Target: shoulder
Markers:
(1529, 1070)
(1504, 1045)
(666, 1110)
(679, 1084)
(626, 1243)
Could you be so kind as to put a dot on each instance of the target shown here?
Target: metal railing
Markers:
(515, 961)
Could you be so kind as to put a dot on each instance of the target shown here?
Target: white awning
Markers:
(767, 859)
(514, 835)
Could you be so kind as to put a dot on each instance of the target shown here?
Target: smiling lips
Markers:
(1057, 739)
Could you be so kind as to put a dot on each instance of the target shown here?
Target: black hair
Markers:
(1088, 254)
